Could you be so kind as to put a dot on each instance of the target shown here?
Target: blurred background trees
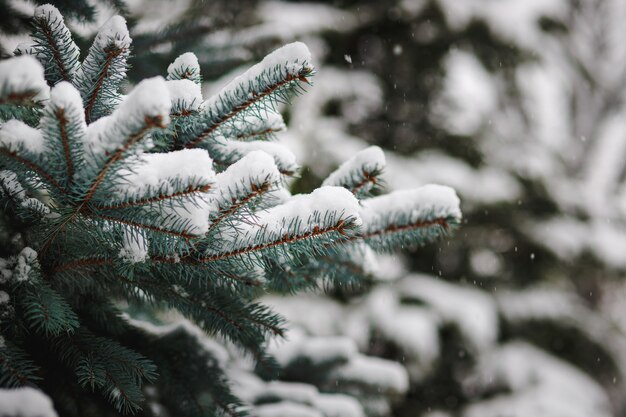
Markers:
(517, 104)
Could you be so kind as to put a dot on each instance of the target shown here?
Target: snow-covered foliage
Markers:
(156, 201)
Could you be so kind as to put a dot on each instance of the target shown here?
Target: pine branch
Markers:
(16, 367)
(340, 227)
(360, 174)
(256, 191)
(81, 263)
(149, 124)
(21, 79)
(185, 67)
(409, 217)
(240, 108)
(191, 190)
(39, 171)
(63, 135)
(104, 68)
(46, 311)
(271, 80)
(157, 229)
(64, 122)
(54, 46)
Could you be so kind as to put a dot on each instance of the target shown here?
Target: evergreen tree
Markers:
(116, 208)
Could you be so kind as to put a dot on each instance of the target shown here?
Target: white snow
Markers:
(337, 405)
(542, 385)
(315, 314)
(468, 96)
(289, 59)
(296, 217)
(134, 246)
(149, 99)
(286, 409)
(290, 391)
(369, 160)
(25, 402)
(63, 37)
(22, 75)
(26, 260)
(216, 349)
(24, 48)
(185, 95)
(187, 62)
(318, 350)
(239, 179)
(16, 135)
(516, 21)
(384, 375)
(155, 15)
(114, 31)
(473, 311)
(162, 171)
(48, 10)
(65, 96)
(285, 159)
(168, 173)
(34, 205)
(413, 329)
(290, 21)
(11, 184)
(426, 202)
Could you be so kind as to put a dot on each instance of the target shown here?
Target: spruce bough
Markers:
(115, 208)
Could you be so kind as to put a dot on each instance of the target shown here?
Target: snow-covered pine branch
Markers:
(104, 68)
(255, 92)
(254, 128)
(63, 123)
(22, 83)
(185, 95)
(226, 152)
(114, 205)
(185, 67)
(359, 174)
(409, 217)
(242, 185)
(110, 138)
(54, 46)
(300, 226)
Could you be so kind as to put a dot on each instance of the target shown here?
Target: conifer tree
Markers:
(116, 207)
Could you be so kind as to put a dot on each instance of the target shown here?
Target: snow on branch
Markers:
(104, 69)
(359, 174)
(409, 217)
(254, 128)
(11, 188)
(155, 178)
(302, 225)
(185, 67)
(134, 246)
(22, 81)
(242, 184)
(145, 108)
(185, 95)
(26, 401)
(226, 152)
(17, 136)
(175, 184)
(54, 46)
(63, 127)
(22, 149)
(256, 91)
